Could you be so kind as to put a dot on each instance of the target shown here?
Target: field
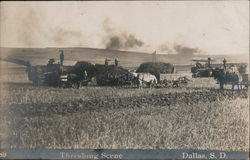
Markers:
(198, 116)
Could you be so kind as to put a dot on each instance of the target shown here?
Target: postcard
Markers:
(124, 79)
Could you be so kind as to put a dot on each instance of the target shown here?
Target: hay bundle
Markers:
(110, 75)
(156, 68)
(104, 74)
(81, 66)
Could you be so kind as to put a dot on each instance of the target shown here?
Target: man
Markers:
(224, 63)
(85, 75)
(106, 62)
(116, 61)
(139, 81)
(209, 62)
(61, 57)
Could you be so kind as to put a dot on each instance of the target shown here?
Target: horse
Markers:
(226, 77)
(145, 78)
(245, 80)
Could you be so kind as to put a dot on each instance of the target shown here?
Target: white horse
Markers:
(145, 78)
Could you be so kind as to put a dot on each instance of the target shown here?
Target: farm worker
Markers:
(224, 63)
(61, 57)
(116, 61)
(209, 62)
(139, 81)
(106, 61)
(85, 74)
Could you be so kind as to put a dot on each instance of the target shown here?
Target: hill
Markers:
(127, 59)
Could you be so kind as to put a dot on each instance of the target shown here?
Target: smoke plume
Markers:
(184, 50)
(117, 39)
(179, 49)
(166, 49)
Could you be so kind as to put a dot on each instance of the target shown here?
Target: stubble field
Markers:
(198, 116)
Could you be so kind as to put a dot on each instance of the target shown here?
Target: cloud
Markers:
(29, 27)
(33, 32)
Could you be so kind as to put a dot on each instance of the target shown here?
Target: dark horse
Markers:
(224, 77)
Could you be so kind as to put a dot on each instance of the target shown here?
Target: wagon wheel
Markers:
(120, 81)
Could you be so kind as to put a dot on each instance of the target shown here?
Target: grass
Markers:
(221, 124)
(24, 93)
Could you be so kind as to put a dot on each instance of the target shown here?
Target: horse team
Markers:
(233, 75)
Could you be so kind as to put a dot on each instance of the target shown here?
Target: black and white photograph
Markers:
(124, 79)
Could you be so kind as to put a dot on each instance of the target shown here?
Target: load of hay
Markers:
(156, 68)
(82, 66)
(111, 75)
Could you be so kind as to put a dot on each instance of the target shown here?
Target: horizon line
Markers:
(161, 53)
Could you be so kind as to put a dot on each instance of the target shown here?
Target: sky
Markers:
(211, 27)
